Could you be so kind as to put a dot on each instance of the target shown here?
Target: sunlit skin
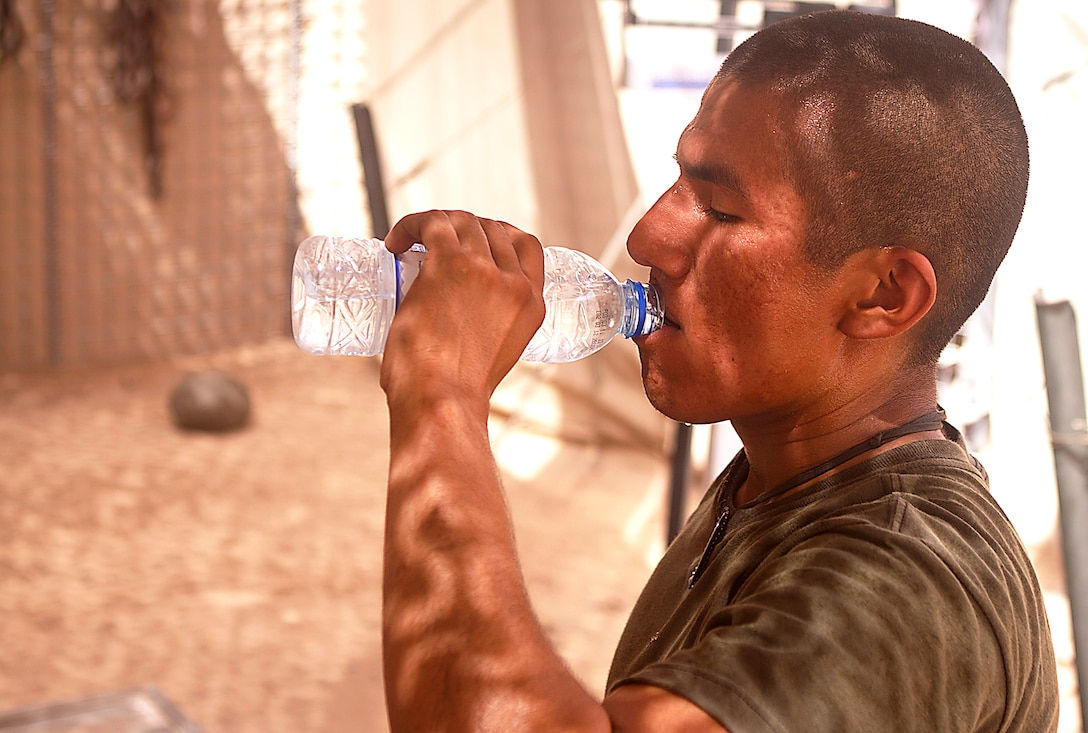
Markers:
(805, 362)
(463, 650)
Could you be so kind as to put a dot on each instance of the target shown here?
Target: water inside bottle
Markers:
(344, 307)
(582, 317)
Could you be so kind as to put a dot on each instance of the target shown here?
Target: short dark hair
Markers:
(903, 134)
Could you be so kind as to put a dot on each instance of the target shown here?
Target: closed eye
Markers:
(719, 216)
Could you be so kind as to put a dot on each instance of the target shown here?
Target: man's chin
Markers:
(660, 399)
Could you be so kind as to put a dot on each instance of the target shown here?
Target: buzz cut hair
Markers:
(898, 134)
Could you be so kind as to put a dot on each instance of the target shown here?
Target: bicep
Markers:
(638, 708)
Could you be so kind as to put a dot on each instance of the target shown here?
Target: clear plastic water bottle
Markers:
(345, 291)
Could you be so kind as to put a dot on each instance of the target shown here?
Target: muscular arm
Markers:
(463, 650)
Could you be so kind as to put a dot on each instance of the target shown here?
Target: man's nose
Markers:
(656, 241)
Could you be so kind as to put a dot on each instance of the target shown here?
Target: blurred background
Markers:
(160, 160)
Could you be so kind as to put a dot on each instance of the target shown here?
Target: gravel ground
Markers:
(239, 573)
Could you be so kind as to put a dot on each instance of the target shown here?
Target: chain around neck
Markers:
(726, 506)
(924, 423)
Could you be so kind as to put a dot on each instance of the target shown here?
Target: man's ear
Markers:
(894, 288)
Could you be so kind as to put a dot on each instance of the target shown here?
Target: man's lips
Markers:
(666, 325)
(668, 322)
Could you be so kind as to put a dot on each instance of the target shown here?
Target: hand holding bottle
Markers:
(471, 310)
(345, 292)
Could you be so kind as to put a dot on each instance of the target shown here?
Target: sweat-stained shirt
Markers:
(892, 596)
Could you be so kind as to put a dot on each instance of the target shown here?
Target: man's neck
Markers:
(777, 454)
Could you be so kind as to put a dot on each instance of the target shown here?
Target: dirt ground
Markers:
(240, 573)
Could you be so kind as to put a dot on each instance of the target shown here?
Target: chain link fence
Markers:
(150, 170)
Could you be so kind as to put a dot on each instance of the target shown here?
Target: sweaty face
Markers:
(751, 320)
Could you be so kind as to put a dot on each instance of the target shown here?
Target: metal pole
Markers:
(1069, 438)
(678, 487)
(992, 32)
(47, 76)
(293, 214)
(372, 170)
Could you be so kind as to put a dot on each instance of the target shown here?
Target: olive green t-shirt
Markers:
(892, 596)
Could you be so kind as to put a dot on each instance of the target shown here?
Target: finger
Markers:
(529, 253)
(502, 248)
(515, 251)
(460, 231)
(442, 233)
(434, 229)
(471, 233)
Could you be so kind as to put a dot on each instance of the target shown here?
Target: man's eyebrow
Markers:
(719, 174)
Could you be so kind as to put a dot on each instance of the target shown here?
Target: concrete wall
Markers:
(502, 107)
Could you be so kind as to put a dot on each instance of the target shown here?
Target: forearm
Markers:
(463, 650)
